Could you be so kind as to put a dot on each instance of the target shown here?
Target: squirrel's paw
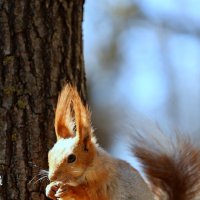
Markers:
(51, 190)
(62, 191)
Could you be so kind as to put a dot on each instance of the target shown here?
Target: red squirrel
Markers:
(79, 169)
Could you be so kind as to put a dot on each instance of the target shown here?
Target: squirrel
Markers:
(79, 169)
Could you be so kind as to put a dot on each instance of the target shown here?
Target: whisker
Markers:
(42, 175)
(33, 179)
(40, 179)
(43, 172)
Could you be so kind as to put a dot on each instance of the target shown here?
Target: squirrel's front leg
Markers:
(51, 190)
(62, 191)
(55, 190)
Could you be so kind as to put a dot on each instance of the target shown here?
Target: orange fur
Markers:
(90, 190)
(63, 113)
(94, 174)
(172, 168)
(70, 109)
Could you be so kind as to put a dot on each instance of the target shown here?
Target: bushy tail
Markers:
(172, 167)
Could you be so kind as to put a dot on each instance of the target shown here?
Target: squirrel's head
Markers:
(75, 149)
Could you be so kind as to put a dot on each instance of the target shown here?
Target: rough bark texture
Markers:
(40, 49)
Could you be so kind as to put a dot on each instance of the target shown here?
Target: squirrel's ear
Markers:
(64, 121)
(82, 120)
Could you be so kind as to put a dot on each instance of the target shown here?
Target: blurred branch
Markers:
(134, 13)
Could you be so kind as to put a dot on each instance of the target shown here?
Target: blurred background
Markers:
(142, 61)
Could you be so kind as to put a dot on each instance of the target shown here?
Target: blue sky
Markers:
(158, 74)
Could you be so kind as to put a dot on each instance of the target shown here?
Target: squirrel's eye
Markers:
(71, 158)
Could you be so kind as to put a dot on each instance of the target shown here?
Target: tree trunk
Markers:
(40, 49)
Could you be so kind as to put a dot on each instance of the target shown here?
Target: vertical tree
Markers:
(40, 49)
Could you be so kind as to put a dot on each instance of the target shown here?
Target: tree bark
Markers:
(40, 50)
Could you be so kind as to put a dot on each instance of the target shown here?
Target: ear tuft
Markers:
(72, 117)
(63, 114)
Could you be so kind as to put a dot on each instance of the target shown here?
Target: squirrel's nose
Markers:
(52, 177)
